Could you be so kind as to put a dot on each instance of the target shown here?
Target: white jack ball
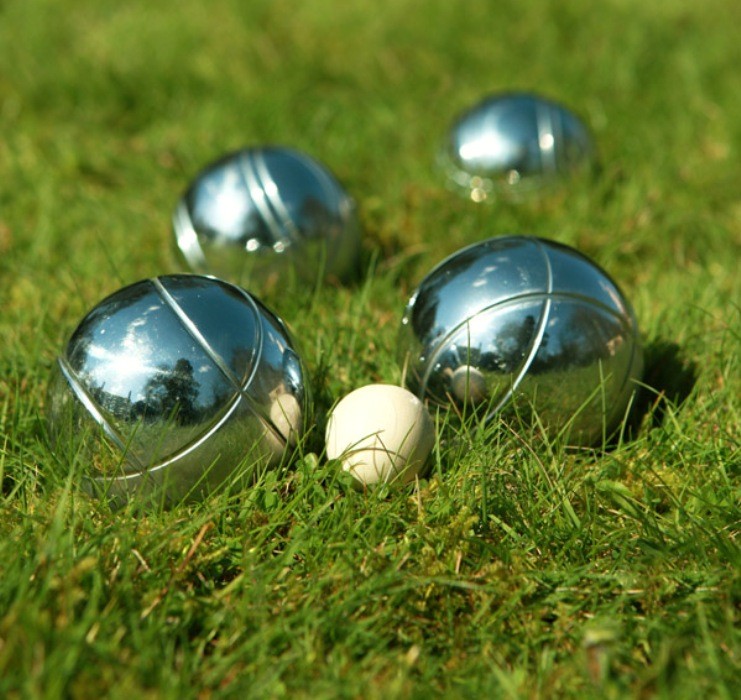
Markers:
(380, 433)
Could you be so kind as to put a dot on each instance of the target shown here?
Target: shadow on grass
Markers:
(668, 379)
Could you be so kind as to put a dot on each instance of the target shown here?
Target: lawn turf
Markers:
(518, 568)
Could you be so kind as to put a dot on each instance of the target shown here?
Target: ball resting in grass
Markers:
(262, 214)
(524, 323)
(182, 382)
(512, 143)
(380, 433)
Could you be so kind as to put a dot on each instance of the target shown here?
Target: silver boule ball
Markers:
(261, 213)
(178, 383)
(514, 142)
(529, 324)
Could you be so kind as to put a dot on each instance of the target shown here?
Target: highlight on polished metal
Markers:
(526, 324)
(514, 142)
(261, 213)
(174, 385)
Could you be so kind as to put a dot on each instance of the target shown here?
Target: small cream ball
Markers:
(380, 433)
(285, 415)
(468, 384)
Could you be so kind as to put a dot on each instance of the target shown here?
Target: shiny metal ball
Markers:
(177, 383)
(514, 142)
(260, 214)
(525, 324)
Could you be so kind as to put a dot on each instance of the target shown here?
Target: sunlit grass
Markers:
(518, 567)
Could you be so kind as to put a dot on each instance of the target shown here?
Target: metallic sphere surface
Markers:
(529, 324)
(514, 141)
(260, 213)
(181, 381)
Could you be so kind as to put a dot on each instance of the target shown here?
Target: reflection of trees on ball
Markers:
(520, 320)
(173, 391)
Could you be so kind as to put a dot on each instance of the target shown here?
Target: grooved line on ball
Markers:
(442, 344)
(187, 237)
(538, 337)
(161, 467)
(87, 401)
(274, 198)
(544, 118)
(259, 197)
(214, 356)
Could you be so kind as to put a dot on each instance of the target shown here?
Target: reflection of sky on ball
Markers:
(120, 373)
(489, 148)
(127, 374)
(508, 136)
(128, 356)
(224, 203)
(482, 279)
(483, 283)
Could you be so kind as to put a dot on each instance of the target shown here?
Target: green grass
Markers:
(519, 568)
